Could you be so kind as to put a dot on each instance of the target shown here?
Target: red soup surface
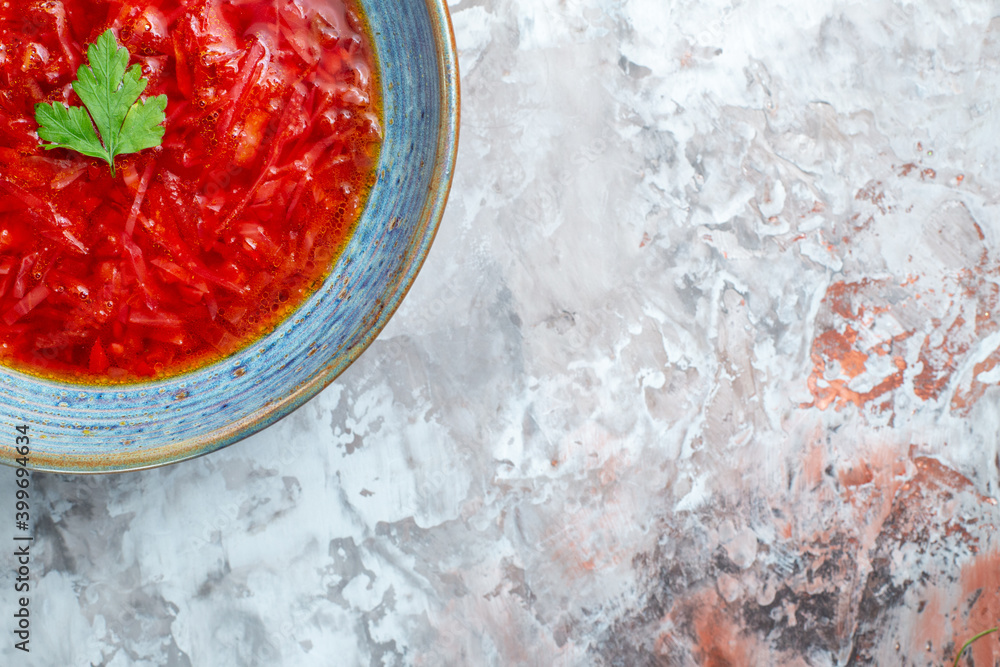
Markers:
(198, 247)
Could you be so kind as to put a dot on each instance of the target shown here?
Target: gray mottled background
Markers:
(702, 370)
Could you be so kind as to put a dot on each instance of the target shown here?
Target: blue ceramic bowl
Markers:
(80, 429)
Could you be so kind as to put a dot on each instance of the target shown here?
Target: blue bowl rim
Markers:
(442, 177)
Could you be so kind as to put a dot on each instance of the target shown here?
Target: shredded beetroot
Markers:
(204, 244)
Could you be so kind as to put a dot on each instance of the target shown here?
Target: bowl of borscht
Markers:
(208, 210)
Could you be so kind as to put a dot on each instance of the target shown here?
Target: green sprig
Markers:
(114, 121)
(969, 643)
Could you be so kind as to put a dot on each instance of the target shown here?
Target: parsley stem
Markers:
(969, 643)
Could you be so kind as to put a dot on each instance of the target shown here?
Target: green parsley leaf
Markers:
(110, 91)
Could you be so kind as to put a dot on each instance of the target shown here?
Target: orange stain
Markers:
(965, 397)
(939, 363)
(981, 580)
(930, 626)
(874, 193)
(813, 466)
(720, 641)
(857, 475)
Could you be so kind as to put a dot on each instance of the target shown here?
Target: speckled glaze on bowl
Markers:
(78, 429)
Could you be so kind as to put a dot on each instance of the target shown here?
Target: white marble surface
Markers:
(702, 370)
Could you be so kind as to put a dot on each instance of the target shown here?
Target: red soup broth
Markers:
(196, 248)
